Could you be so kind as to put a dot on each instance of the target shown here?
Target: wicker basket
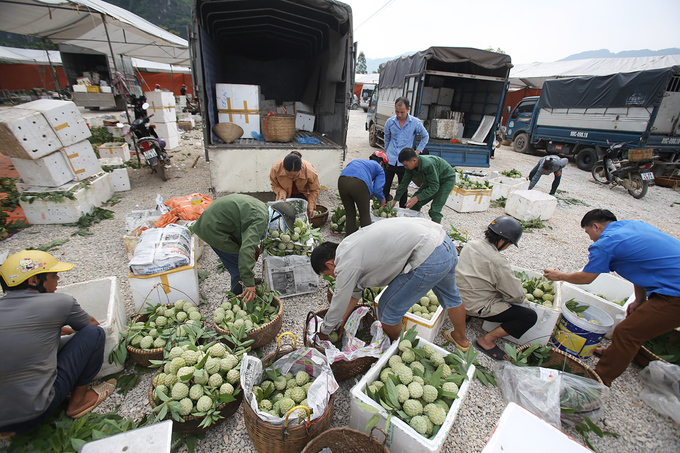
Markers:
(577, 367)
(343, 369)
(347, 441)
(278, 127)
(227, 132)
(638, 154)
(644, 356)
(190, 424)
(319, 220)
(263, 334)
(268, 438)
(667, 181)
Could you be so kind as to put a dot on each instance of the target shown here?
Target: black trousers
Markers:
(354, 195)
(390, 171)
(516, 320)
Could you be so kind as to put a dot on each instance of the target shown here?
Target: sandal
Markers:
(447, 334)
(103, 391)
(495, 353)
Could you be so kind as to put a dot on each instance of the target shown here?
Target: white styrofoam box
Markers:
(116, 131)
(440, 111)
(547, 317)
(617, 312)
(611, 287)
(301, 107)
(503, 185)
(105, 89)
(113, 162)
(160, 98)
(528, 205)
(239, 104)
(101, 299)
(510, 434)
(186, 124)
(45, 212)
(445, 96)
(113, 150)
(304, 121)
(461, 200)
(82, 159)
(267, 105)
(120, 180)
(401, 438)
(161, 114)
(430, 95)
(427, 329)
(167, 287)
(156, 438)
(26, 134)
(442, 128)
(169, 133)
(49, 171)
(78, 88)
(64, 117)
(424, 110)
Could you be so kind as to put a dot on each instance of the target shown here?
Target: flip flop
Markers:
(447, 335)
(495, 353)
(103, 391)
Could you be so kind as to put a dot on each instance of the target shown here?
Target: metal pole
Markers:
(106, 29)
(54, 73)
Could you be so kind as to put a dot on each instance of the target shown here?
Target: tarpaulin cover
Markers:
(392, 74)
(631, 89)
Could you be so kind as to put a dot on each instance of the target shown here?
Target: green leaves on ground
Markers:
(588, 426)
(49, 246)
(87, 220)
(499, 202)
(527, 226)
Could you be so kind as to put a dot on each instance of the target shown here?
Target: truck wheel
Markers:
(598, 173)
(637, 186)
(586, 158)
(521, 143)
(373, 136)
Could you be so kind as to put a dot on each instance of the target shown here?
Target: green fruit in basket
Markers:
(179, 391)
(280, 383)
(295, 236)
(233, 376)
(158, 343)
(333, 337)
(215, 380)
(450, 387)
(286, 404)
(282, 246)
(298, 394)
(424, 301)
(201, 377)
(285, 238)
(226, 389)
(195, 315)
(204, 403)
(170, 380)
(187, 406)
(446, 371)
(161, 321)
(182, 316)
(195, 392)
(265, 405)
(301, 378)
(418, 365)
(146, 343)
(274, 234)
(217, 350)
(437, 415)
(538, 293)
(413, 407)
(291, 383)
(428, 350)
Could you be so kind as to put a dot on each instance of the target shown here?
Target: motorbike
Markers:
(152, 147)
(633, 176)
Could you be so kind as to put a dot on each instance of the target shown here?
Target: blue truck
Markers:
(457, 92)
(581, 116)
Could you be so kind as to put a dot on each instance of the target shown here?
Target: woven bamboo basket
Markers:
(268, 438)
(559, 359)
(667, 181)
(347, 440)
(320, 220)
(344, 369)
(638, 154)
(228, 132)
(278, 127)
(190, 424)
(644, 356)
(264, 334)
(144, 356)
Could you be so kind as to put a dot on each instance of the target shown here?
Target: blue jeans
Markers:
(437, 273)
(78, 362)
(230, 261)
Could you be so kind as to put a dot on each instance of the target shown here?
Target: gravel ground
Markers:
(562, 245)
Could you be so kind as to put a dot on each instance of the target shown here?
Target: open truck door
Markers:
(412, 91)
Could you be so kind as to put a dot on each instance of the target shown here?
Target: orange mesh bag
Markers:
(166, 219)
(189, 207)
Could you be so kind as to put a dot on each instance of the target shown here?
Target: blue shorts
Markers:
(436, 273)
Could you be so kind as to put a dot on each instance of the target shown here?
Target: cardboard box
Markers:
(26, 134)
(445, 96)
(528, 205)
(430, 95)
(64, 118)
(503, 185)
(401, 438)
(461, 200)
(101, 299)
(167, 287)
(120, 180)
(113, 150)
(160, 98)
(239, 104)
(50, 171)
(83, 160)
(186, 124)
(304, 121)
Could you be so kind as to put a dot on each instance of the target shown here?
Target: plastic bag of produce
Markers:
(581, 396)
(352, 346)
(534, 388)
(662, 388)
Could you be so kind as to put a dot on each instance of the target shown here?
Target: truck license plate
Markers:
(647, 175)
(150, 154)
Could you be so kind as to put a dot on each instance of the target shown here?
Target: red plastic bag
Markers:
(189, 207)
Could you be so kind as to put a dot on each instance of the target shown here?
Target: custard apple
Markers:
(429, 393)
(175, 352)
(195, 392)
(226, 389)
(450, 387)
(437, 415)
(233, 376)
(179, 391)
(436, 359)
(298, 394)
(413, 407)
(204, 403)
(301, 378)
(146, 343)
(187, 406)
(265, 405)
(403, 393)
(394, 361)
(286, 404)
(408, 356)
(419, 424)
(415, 390)
(405, 374)
(217, 350)
(215, 380)
(404, 345)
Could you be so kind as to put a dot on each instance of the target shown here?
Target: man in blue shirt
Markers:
(360, 180)
(400, 131)
(648, 258)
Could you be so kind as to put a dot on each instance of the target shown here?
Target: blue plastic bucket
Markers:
(578, 336)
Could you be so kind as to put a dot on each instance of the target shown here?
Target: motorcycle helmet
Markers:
(508, 228)
(380, 155)
(161, 143)
(20, 266)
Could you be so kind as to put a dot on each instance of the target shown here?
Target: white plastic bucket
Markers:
(578, 336)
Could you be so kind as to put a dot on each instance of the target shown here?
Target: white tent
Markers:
(534, 74)
(93, 24)
(366, 78)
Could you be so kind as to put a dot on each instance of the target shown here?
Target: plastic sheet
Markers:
(583, 395)
(662, 388)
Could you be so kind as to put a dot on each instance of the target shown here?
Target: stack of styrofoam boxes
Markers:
(239, 104)
(304, 117)
(504, 185)
(101, 299)
(528, 205)
(547, 317)
(401, 437)
(164, 119)
(118, 174)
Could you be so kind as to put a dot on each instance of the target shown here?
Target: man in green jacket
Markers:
(436, 178)
(233, 226)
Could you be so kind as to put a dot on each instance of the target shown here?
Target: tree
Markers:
(497, 50)
(380, 66)
(361, 64)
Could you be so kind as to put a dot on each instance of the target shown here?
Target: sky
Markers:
(527, 30)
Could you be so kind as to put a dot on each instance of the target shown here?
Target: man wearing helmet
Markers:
(233, 226)
(35, 376)
(360, 180)
(489, 288)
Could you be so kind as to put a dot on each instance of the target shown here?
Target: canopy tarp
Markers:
(85, 23)
(534, 74)
(366, 78)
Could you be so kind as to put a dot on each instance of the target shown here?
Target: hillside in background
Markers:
(605, 53)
